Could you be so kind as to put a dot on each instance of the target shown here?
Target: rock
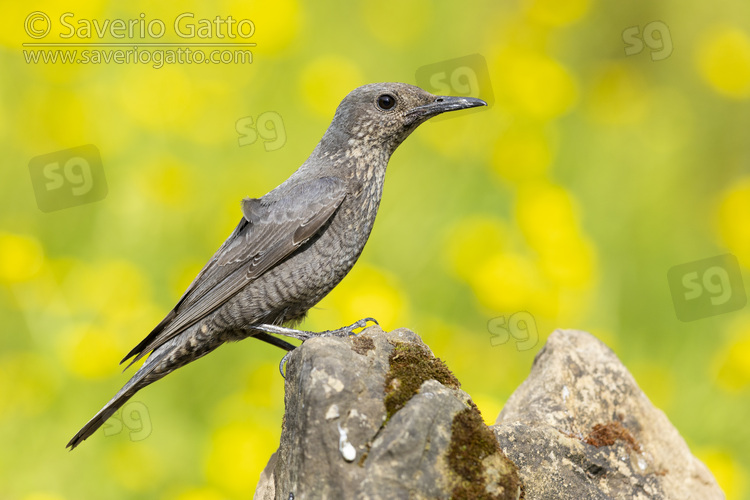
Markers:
(266, 487)
(377, 416)
(579, 427)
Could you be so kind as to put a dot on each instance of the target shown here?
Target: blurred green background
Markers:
(594, 173)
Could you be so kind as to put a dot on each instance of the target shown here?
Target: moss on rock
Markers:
(410, 366)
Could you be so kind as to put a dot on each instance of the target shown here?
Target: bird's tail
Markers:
(177, 352)
(99, 419)
(143, 377)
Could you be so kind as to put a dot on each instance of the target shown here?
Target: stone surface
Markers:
(377, 416)
(579, 427)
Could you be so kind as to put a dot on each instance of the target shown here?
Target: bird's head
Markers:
(386, 113)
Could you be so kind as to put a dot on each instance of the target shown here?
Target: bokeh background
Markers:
(615, 149)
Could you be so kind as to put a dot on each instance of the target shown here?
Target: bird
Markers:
(293, 245)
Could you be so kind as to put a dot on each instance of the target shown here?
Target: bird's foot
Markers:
(347, 330)
(305, 335)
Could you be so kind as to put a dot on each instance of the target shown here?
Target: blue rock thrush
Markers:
(293, 245)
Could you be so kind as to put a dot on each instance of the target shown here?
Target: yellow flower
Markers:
(731, 361)
(158, 98)
(366, 291)
(546, 214)
(506, 282)
(728, 472)
(277, 23)
(61, 106)
(534, 84)
(548, 217)
(569, 262)
(21, 257)
(724, 61)
(619, 95)
(522, 153)
(91, 352)
(239, 452)
(733, 227)
(489, 405)
(168, 181)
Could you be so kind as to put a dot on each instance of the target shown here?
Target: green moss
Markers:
(474, 453)
(410, 366)
(472, 443)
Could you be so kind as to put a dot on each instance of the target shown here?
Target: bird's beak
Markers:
(444, 103)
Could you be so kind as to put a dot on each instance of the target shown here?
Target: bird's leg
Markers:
(304, 335)
(282, 344)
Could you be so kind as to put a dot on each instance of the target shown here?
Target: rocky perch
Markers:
(378, 416)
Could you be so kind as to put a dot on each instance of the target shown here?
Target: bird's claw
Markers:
(282, 363)
(349, 330)
(341, 332)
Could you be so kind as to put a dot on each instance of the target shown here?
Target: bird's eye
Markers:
(386, 101)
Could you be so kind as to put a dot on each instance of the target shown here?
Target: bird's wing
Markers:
(268, 233)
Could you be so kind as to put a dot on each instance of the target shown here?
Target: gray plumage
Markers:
(294, 244)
